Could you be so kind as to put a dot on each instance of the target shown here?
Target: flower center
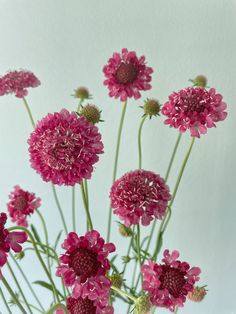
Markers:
(126, 73)
(81, 306)
(173, 280)
(84, 262)
(20, 203)
(194, 104)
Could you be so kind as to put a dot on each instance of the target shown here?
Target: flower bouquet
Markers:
(64, 147)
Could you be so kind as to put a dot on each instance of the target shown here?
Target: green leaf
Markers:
(48, 286)
(37, 237)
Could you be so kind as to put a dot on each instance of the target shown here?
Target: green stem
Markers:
(28, 283)
(19, 287)
(57, 306)
(59, 208)
(121, 292)
(176, 310)
(73, 209)
(127, 254)
(29, 112)
(32, 306)
(38, 255)
(14, 297)
(139, 141)
(138, 244)
(116, 163)
(79, 105)
(89, 220)
(5, 301)
(134, 274)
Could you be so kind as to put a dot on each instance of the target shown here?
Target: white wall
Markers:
(66, 44)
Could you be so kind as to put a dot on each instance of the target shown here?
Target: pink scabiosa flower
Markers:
(17, 82)
(22, 204)
(84, 266)
(139, 194)
(127, 75)
(194, 108)
(9, 240)
(169, 283)
(64, 147)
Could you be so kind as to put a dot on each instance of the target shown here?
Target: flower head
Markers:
(64, 147)
(198, 294)
(84, 265)
(9, 240)
(91, 113)
(87, 306)
(194, 108)
(168, 283)
(17, 82)
(127, 75)
(22, 204)
(152, 107)
(139, 194)
(82, 93)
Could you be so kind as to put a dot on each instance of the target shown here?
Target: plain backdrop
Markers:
(66, 44)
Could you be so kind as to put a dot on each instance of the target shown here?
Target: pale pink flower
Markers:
(139, 194)
(84, 266)
(17, 82)
(22, 204)
(194, 108)
(64, 147)
(127, 75)
(168, 283)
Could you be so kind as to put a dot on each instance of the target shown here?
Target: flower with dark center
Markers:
(127, 75)
(168, 283)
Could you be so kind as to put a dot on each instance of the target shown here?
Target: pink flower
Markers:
(22, 204)
(87, 306)
(9, 240)
(17, 82)
(84, 266)
(194, 108)
(169, 283)
(139, 194)
(127, 75)
(64, 147)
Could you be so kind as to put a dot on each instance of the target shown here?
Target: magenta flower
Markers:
(9, 240)
(84, 266)
(17, 82)
(139, 194)
(64, 147)
(22, 204)
(169, 283)
(127, 75)
(194, 108)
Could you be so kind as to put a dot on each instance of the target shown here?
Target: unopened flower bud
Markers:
(200, 80)
(91, 113)
(198, 294)
(151, 107)
(82, 93)
(125, 231)
(20, 255)
(116, 280)
(143, 305)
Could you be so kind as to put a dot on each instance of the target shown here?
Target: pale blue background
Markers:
(66, 44)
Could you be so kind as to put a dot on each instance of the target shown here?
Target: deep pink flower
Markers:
(64, 147)
(139, 194)
(127, 75)
(169, 283)
(84, 266)
(9, 240)
(17, 82)
(22, 204)
(194, 108)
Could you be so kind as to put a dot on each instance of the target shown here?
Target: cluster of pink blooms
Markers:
(64, 147)
(139, 194)
(21, 204)
(194, 108)
(127, 75)
(168, 283)
(9, 240)
(83, 267)
(17, 82)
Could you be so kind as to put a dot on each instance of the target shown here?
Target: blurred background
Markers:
(66, 44)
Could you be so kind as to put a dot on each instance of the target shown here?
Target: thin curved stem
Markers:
(5, 301)
(89, 220)
(29, 112)
(138, 244)
(57, 306)
(59, 208)
(127, 254)
(140, 142)
(32, 306)
(12, 294)
(129, 296)
(73, 209)
(116, 164)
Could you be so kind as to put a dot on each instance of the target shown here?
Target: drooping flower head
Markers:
(22, 204)
(127, 75)
(9, 240)
(194, 108)
(168, 283)
(139, 194)
(18, 82)
(84, 266)
(64, 147)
